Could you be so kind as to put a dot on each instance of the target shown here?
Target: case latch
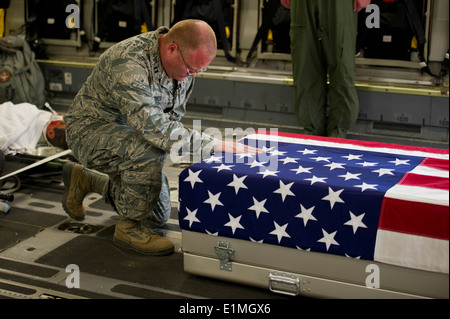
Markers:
(224, 252)
(284, 284)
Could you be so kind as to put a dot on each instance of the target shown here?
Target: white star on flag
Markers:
(307, 152)
(348, 256)
(258, 207)
(334, 165)
(366, 186)
(328, 239)
(400, 162)
(365, 164)
(301, 169)
(223, 167)
(234, 223)
(213, 200)
(268, 172)
(306, 214)
(288, 160)
(349, 176)
(280, 231)
(256, 164)
(284, 190)
(333, 197)
(309, 249)
(351, 157)
(238, 183)
(193, 178)
(384, 171)
(191, 217)
(277, 153)
(356, 222)
(316, 179)
(215, 159)
(322, 159)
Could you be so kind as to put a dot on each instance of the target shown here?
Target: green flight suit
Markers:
(323, 36)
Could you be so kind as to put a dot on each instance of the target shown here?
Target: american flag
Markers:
(363, 200)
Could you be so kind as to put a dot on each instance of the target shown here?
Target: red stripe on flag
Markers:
(412, 179)
(356, 142)
(415, 218)
(436, 163)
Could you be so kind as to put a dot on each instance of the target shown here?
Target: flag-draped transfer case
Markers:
(312, 212)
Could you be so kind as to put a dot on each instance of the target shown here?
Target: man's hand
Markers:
(286, 3)
(358, 5)
(238, 148)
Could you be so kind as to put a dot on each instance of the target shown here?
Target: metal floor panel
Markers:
(38, 241)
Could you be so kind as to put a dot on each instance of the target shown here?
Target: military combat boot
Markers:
(78, 182)
(138, 236)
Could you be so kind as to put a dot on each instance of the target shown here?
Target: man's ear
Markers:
(172, 48)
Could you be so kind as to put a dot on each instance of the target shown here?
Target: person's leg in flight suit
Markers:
(323, 36)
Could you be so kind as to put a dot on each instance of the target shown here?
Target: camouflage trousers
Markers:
(138, 188)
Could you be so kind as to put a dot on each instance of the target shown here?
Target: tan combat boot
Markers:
(137, 236)
(78, 182)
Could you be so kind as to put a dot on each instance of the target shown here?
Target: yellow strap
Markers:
(144, 28)
(2, 22)
(414, 43)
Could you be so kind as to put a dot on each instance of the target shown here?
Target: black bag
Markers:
(4, 4)
(400, 21)
(393, 39)
(121, 19)
(21, 79)
(47, 19)
(217, 13)
(277, 18)
(281, 30)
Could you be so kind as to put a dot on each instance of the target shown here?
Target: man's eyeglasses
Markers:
(190, 71)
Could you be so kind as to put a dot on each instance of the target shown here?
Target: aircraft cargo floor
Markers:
(38, 241)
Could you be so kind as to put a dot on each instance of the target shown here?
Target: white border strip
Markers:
(284, 139)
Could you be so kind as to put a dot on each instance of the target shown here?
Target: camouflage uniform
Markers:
(124, 121)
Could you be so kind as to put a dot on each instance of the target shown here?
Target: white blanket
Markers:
(21, 127)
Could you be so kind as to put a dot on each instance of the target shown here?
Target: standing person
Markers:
(323, 42)
(124, 121)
